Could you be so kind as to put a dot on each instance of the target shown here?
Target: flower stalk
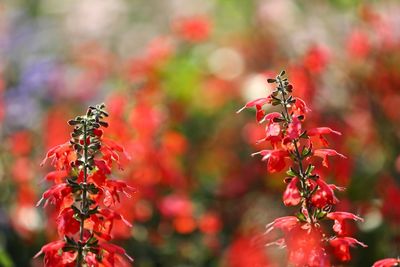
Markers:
(308, 243)
(84, 195)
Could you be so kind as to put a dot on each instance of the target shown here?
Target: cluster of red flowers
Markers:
(307, 242)
(83, 196)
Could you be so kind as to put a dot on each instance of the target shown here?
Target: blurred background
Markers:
(172, 74)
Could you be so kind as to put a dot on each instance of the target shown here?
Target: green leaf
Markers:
(292, 172)
(309, 170)
(301, 217)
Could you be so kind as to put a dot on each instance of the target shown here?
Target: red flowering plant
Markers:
(83, 196)
(307, 242)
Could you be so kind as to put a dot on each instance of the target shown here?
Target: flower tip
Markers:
(38, 254)
(39, 202)
(240, 110)
(129, 257)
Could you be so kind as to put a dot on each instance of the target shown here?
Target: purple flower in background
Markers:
(21, 110)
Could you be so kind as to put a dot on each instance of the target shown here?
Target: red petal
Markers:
(259, 102)
(291, 196)
(322, 130)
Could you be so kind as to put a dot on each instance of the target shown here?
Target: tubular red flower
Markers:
(324, 153)
(284, 223)
(339, 217)
(323, 195)
(342, 246)
(300, 107)
(275, 159)
(258, 102)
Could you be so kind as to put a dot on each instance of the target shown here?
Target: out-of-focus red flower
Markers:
(389, 262)
(210, 223)
(175, 205)
(243, 252)
(305, 247)
(285, 223)
(316, 58)
(184, 224)
(21, 143)
(358, 44)
(390, 195)
(193, 29)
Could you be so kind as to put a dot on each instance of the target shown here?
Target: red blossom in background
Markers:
(390, 262)
(193, 29)
(83, 196)
(307, 242)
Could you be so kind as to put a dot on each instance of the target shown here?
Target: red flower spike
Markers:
(303, 234)
(342, 246)
(339, 217)
(390, 262)
(82, 194)
(291, 196)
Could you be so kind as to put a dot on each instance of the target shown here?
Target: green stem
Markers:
(84, 196)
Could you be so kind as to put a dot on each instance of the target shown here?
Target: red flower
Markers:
(358, 44)
(62, 156)
(324, 153)
(275, 159)
(300, 107)
(285, 223)
(258, 102)
(291, 196)
(390, 262)
(342, 246)
(112, 190)
(111, 255)
(293, 130)
(57, 195)
(195, 29)
(55, 257)
(210, 223)
(339, 217)
(324, 194)
(320, 131)
(305, 247)
(243, 252)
